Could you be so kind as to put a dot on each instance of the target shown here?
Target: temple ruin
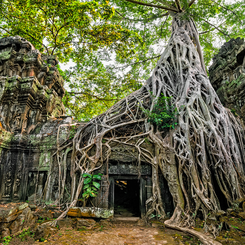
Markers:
(31, 111)
(227, 75)
(33, 123)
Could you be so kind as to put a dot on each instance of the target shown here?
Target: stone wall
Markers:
(227, 75)
(31, 111)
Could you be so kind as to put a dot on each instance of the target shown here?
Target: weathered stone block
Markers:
(74, 212)
(9, 213)
(31, 91)
(227, 75)
(92, 212)
(23, 206)
(44, 231)
(5, 232)
(67, 222)
(85, 222)
(44, 214)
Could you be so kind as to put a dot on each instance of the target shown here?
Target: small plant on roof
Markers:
(163, 114)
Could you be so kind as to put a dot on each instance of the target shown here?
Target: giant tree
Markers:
(202, 158)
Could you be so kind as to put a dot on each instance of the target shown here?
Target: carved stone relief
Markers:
(8, 177)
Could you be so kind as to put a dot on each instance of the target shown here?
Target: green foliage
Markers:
(96, 88)
(114, 45)
(83, 228)
(40, 220)
(163, 114)
(82, 32)
(25, 233)
(235, 227)
(91, 185)
(147, 141)
(155, 216)
(7, 240)
(114, 80)
(54, 27)
(72, 132)
(22, 236)
(234, 112)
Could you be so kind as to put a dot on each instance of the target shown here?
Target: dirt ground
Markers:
(119, 234)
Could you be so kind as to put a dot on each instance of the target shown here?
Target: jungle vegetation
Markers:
(204, 151)
(113, 44)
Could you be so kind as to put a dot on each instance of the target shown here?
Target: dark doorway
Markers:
(127, 201)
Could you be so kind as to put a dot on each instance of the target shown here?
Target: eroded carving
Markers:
(30, 80)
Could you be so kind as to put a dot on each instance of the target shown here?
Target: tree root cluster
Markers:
(202, 159)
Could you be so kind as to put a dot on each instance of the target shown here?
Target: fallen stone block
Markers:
(85, 222)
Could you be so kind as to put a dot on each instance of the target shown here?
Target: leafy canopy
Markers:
(61, 27)
(115, 75)
(114, 45)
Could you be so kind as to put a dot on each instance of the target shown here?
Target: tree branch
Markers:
(191, 2)
(178, 5)
(214, 26)
(204, 32)
(143, 20)
(165, 4)
(154, 6)
(83, 93)
(139, 62)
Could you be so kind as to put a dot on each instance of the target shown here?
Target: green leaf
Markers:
(86, 175)
(86, 186)
(97, 177)
(87, 180)
(93, 194)
(85, 195)
(96, 184)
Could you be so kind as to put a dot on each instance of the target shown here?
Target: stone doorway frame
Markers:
(143, 190)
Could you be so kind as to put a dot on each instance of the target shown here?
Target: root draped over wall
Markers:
(201, 158)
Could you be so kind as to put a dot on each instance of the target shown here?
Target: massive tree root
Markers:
(202, 156)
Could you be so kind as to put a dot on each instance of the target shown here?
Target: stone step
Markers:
(125, 219)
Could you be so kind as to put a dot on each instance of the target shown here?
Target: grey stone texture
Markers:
(227, 75)
(31, 110)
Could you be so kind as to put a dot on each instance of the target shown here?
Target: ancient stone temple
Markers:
(33, 125)
(227, 75)
(31, 109)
